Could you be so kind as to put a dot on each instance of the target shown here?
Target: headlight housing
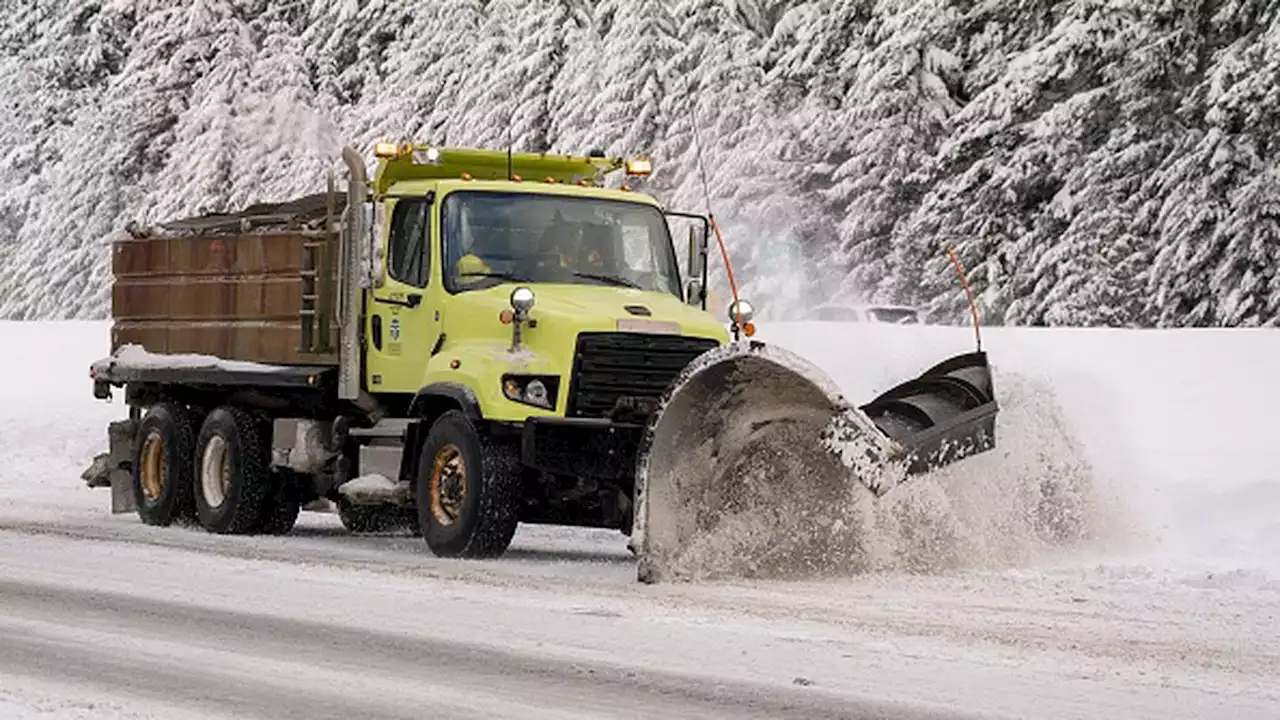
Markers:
(536, 390)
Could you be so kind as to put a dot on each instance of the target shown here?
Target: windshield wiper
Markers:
(501, 275)
(609, 279)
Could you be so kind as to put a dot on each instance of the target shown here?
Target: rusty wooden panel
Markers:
(236, 296)
(272, 298)
(255, 342)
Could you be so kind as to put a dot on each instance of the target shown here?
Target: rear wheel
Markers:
(233, 479)
(468, 491)
(162, 459)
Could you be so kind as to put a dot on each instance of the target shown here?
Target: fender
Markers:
(431, 397)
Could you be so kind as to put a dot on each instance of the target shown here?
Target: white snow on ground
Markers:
(1174, 613)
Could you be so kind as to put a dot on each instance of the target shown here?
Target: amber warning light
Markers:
(639, 166)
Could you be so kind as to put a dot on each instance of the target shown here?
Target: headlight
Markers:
(744, 307)
(535, 393)
(522, 300)
(537, 390)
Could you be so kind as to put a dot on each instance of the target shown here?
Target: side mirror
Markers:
(696, 289)
(694, 293)
(695, 265)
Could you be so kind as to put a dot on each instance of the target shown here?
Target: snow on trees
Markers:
(1092, 161)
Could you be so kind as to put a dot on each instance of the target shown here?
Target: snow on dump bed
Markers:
(136, 357)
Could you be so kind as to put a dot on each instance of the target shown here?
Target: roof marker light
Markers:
(639, 166)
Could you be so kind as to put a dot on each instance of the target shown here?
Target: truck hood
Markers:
(604, 308)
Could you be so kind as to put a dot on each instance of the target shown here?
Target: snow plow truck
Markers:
(521, 338)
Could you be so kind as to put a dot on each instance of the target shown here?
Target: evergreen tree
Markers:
(638, 45)
(1092, 162)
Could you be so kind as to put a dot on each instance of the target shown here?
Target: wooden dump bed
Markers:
(249, 286)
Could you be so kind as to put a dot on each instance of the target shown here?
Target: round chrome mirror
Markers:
(743, 307)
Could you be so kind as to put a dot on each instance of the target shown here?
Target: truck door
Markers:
(403, 313)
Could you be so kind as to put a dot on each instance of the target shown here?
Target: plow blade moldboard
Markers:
(945, 415)
(753, 462)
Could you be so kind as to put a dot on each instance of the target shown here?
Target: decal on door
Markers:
(393, 335)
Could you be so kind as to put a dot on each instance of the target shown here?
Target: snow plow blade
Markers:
(754, 461)
(945, 415)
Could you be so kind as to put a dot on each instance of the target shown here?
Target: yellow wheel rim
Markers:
(448, 485)
(152, 470)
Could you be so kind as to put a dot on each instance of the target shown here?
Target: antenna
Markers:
(706, 195)
(697, 149)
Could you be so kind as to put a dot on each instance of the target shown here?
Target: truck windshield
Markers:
(491, 238)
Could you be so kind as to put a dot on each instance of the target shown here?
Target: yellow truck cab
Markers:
(505, 327)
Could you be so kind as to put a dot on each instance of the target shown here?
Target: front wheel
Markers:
(468, 492)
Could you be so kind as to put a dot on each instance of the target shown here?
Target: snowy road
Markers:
(104, 617)
(158, 622)
(248, 663)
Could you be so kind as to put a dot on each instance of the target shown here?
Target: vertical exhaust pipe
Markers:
(349, 310)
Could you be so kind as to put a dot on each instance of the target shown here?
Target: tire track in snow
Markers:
(243, 664)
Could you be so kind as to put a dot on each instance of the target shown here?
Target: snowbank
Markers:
(1176, 424)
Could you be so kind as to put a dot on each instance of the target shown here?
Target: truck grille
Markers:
(609, 366)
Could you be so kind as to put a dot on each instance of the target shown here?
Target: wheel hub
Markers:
(152, 470)
(215, 472)
(448, 485)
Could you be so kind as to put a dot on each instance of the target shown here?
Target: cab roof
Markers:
(422, 187)
(398, 164)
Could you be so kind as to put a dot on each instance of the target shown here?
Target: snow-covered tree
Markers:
(1091, 161)
(1218, 224)
(638, 45)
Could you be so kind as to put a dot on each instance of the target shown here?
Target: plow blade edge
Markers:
(754, 459)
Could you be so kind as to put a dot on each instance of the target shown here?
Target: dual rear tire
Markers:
(216, 470)
(212, 469)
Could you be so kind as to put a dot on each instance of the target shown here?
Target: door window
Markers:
(409, 253)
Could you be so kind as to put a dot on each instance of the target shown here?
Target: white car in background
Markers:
(840, 312)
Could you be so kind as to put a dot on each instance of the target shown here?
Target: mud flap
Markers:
(753, 459)
(113, 468)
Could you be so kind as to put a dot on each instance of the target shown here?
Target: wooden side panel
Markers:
(234, 296)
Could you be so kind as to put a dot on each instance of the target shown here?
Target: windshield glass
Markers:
(491, 238)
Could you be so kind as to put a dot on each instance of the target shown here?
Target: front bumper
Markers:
(581, 447)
